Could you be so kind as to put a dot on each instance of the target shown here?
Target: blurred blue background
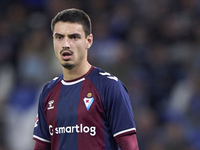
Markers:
(152, 46)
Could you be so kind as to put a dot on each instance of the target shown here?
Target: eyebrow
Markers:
(57, 34)
(75, 35)
(69, 35)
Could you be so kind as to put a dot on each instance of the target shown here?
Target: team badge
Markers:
(88, 100)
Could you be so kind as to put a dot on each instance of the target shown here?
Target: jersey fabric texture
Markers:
(84, 114)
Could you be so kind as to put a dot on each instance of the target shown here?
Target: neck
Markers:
(75, 72)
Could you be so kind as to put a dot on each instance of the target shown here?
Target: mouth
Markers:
(66, 55)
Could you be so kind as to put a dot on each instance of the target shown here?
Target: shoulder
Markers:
(110, 88)
(50, 85)
(102, 76)
(105, 80)
(53, 82)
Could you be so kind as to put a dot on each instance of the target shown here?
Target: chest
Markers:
(73, 105)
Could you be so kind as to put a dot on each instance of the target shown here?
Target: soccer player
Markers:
(84, 108)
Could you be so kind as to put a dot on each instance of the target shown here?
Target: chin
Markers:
(68, 66)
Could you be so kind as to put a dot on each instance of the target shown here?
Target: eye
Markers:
(74, 36)
(59, 37)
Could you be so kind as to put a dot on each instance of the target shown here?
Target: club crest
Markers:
(88, 100)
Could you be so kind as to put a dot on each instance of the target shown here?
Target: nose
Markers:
(66, 44)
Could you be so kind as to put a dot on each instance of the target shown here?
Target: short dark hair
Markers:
(73, 15)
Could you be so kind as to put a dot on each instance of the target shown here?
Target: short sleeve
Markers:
(118, 109)
(41, 131)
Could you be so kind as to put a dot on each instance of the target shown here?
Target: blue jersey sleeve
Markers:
(41, 131)
(118, 108)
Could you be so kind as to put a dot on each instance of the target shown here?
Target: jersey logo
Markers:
(88, 100)
(108, 75)
(50, 105)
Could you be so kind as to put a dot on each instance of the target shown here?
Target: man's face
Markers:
(70, 44)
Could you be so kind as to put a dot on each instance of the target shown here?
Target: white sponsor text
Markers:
(72, 129)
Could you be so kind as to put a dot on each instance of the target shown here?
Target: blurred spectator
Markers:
(184, 106)
(7, 80)
(7, 42)
(20, 115)
(146, 121)
(32, 63)
(121, 19)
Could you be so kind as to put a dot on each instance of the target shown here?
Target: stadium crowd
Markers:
(152, 46)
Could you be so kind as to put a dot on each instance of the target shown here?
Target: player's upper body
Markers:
(86, 113)
(84, 107)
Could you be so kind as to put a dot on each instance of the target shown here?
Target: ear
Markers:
(89, 41)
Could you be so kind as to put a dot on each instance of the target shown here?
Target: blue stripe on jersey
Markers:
(67, 115)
